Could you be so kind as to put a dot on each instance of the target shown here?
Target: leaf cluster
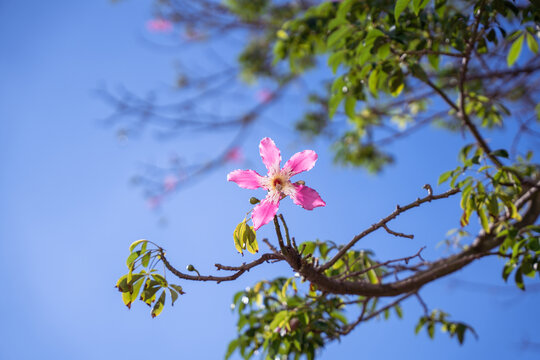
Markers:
(146, 285)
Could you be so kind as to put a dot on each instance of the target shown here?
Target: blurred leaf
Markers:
(400, 6)
(135, 243)
(515, 50)
(532, 44)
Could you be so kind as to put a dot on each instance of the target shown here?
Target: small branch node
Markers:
(429, 189)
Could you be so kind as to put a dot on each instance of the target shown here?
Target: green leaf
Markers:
(419, 5)
(132, 257)
(174, 296)
(431, 330)
(400, 6)
(238, 240)
(160, 304)
(285, 287)
(420, 324)
(122, 284)
(493, 205)
(250, 239)
(279, 319)
(483, 219)
(518, 277)
(534, 244)
(149, 292)
(515, 50)
(372, 275)
(527, 267)
(230, 348)
(282, 34)
(146, 259)
(532, 44)
(396, 84)
(136, 289)
(126, 297)
(507, 270)
(337, 35)
(399, 311)
(334, 102)
(309, 248)
(445, 176)
(336, 59)
(178, 288)
(373, 82)
(350, 104)
(500, 153)
(135, 243)
(160, 280)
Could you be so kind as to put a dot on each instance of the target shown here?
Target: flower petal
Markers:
(301, 161)
(270, 154)
(247, 179)
(306, 197)
(264, 212)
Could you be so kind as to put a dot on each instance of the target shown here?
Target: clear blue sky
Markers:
(68, 214)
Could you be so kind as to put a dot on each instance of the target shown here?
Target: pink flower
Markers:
(234, 155)
(264, 96)
(170, 182)
(277, 182)
(159, 25)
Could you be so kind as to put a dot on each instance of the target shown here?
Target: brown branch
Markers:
(383, 222)
(239, 269)
(350, 327)
(482, 246)
(462, 94)
(503, 73)
(405, 259)
(397, 233)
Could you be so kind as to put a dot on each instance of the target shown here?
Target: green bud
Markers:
(254, 200)
(190, 268)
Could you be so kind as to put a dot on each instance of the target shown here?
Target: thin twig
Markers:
(239, 269)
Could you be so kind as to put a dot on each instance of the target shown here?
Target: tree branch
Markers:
(239, 269)
(481, 247)
(383, 222)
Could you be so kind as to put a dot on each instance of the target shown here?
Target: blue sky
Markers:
(68, 213)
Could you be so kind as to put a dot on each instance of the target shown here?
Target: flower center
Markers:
(277, 184)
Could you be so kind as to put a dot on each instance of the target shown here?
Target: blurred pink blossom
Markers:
(264, 95)
(154, 202)
(170, 182)
(159, 25)
(235, 154)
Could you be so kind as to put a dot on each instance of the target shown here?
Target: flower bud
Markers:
(190, 268)
(254, 200)
(301, 182)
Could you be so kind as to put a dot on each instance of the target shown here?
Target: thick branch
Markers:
(481, 247)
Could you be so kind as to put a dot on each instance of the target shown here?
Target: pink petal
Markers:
(270, 154)
(247, 179)
(264, 212)
(306, 197)
(170, 182)
(264, 96)
(235, 154)
(301, 161)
